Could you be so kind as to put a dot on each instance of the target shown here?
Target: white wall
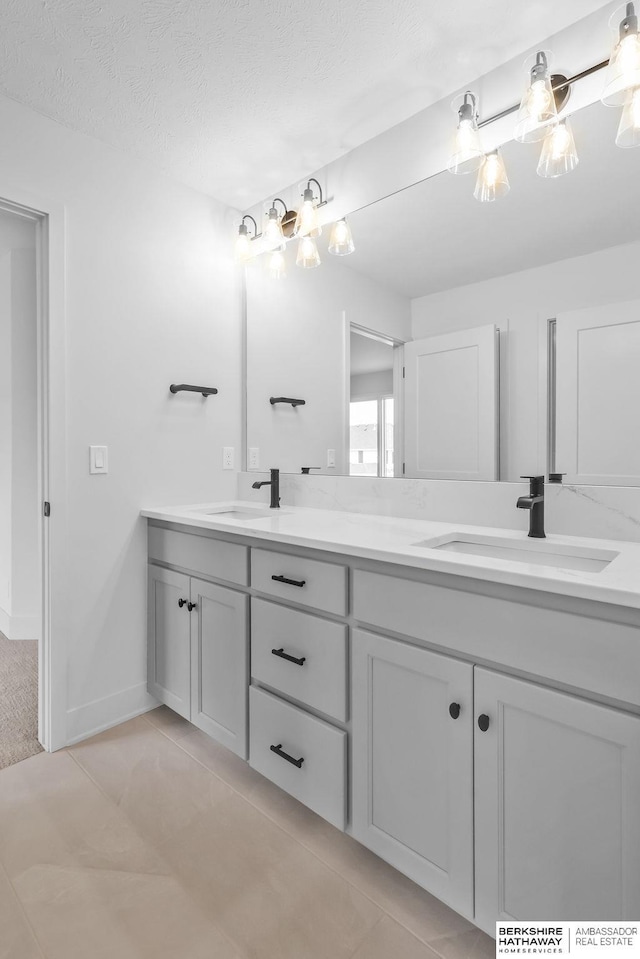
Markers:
(298, 335)
(19, 586)
(520, 304)
(151, 299)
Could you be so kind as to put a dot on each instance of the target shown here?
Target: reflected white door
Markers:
(598, 395)
(451, 406)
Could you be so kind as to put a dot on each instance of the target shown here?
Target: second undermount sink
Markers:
(533, 552)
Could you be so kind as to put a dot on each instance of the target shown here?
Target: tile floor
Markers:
(150, 840)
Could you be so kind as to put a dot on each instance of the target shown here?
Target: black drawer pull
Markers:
(454, 710)
(292, 659)
(279, 751)
(290, 582)
(483, 722)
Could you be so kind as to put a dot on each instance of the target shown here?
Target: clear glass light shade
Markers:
(277, 265)
(623, 72)
(341, 241)
(272, 234)
(559, 153)
(467, 155)
(538, 105)
(629, 129)
(492, 181)
(307, 219)
(243, 245)
(308, 256)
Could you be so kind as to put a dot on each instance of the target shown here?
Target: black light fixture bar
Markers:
(559, 83)
(286, 399)
(186, 388)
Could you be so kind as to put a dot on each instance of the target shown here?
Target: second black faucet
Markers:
(534, 502)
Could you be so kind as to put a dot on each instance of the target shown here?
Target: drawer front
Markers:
(310, 581)
(319, 749)
(319, 677)
(203, 555)
(567, 648)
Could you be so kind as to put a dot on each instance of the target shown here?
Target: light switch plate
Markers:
(254, 458)
(331, 458)
(98, 459)
(228, 457)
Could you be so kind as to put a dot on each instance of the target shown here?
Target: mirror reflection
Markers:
(462, 340)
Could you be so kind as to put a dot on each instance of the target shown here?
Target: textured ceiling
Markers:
(241, 97)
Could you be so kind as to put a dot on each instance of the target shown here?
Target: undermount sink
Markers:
(245, 513)
(532, 552)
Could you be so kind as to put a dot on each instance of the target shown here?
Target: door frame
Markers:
(48, 217)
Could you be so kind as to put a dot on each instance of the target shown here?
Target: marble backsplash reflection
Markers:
(604, 512)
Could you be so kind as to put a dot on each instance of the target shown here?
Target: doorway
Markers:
(374, 363)
(25, 692)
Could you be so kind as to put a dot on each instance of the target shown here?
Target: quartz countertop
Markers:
(397, 540)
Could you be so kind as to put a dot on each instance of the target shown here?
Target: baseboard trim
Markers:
(93, 718)
(19, 627)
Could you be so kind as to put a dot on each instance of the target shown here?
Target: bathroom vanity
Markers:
(472, 719)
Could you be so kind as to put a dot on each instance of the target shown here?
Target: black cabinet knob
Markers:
(483, 722)
(191, 606)
(182, 602)
(454, 710)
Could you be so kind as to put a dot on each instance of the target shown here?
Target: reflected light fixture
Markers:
(307, 223)
(341, 241)
(467, 155)
(628, 134)
(308, 256)
(277, 264)
(623, 72)
(559, 153)
(243, 240)
(272, 234)
(492, 181)
(538, 105)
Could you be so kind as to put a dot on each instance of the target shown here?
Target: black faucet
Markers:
(535, 503)
(274, 483)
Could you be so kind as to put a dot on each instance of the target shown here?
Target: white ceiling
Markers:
(241, 97)
(435, 236)
(367, 355)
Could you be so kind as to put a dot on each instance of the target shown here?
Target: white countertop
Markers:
(393, 540)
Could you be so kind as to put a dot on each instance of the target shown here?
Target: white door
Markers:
(220, 663)
(598, 395)
(451, 406)
(412, 763)
(557, 781)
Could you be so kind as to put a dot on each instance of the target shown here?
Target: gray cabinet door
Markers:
(413, 764)
(557, 782)
(220, 664)
(168, 647)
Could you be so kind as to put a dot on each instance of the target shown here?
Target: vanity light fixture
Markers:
(559, 153)
(277, 264)
(538, 105)
(492, 181)
(243, 240)
(628, 134)
(623, 71)
(307, 223)
(341, 241)
(272, 234)
(308, 256)
(467, 155)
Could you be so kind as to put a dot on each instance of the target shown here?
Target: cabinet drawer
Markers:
(203, 555)
(321, 680)
(319, 780)
(312, 582)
